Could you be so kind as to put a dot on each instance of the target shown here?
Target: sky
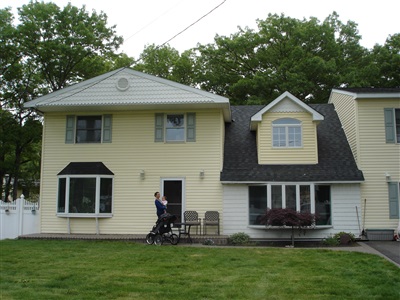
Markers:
(145, 22)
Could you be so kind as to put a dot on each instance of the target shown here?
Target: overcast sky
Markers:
(143, 22)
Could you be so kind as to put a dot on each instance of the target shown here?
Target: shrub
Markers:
(340, 238)
(208, 242)
(345, 237)
(331, 241)
(239, 238)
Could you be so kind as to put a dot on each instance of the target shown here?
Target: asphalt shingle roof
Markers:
(335, 159)
(370, 90)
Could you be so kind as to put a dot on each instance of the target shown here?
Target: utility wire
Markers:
(182, 31)
(156, 19)
(135, 62)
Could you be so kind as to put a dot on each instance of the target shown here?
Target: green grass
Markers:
(33, 269)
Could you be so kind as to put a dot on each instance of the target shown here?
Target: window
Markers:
(394, 200)
(88, 129)
(84, 195)
(323, 204)
(397, 120)
(175, 127)
(286, 132)
(303, 198)
(392, 125)
(257, 203)
(85, 189)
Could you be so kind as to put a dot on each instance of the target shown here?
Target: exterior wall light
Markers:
(141, 174)
(388, 178)
(201, 174)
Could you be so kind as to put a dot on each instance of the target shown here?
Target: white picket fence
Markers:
(18, 218)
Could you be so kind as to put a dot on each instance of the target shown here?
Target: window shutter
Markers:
(70, 130)
(393, 200)
(389, 125)
(159, 128)
(107, 121)
(191, 127)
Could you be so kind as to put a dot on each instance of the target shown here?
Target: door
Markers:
(173, 190)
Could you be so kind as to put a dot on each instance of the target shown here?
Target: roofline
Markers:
(364, 95)
(258, 116)
(35, 103)
(46, 104)
(285, 182)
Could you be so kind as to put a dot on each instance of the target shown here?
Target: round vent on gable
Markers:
(122, 84)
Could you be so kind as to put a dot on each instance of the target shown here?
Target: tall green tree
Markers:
(50, 48)
(386, 62)
(62, 43)
(306, 57)
(166, 62)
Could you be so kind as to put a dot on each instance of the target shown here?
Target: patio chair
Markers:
(211, 218)
(192, 217)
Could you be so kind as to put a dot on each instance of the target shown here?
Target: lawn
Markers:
(40, 269)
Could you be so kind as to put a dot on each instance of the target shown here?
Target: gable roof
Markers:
(125, 89)
(285, 96)
(335, 159)
(368, 92)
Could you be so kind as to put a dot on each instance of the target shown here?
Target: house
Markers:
(289, 155)
(371, 121)
(111, 142)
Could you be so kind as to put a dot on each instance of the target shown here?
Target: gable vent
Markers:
(122, 84)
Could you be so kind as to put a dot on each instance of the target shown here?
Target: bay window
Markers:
(85, 189)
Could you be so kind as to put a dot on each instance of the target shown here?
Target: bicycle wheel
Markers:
(174, 238)
(158, 240)
(150, 238)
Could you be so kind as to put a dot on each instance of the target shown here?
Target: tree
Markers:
(283, 217)
(306, 57)
(62, 43)
(386, 62)
(51, 48)
(166, 62)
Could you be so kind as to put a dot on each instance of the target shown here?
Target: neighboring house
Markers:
(111, 142)
(371, 121)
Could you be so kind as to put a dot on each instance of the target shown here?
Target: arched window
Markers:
(286, 133)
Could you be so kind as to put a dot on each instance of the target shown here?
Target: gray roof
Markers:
(335, 159)
(368, 93)
(126, 89)
(370, 90)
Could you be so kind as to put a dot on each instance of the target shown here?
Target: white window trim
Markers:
(283, 185)
(184, 127)
(286, 127)
(97, 213)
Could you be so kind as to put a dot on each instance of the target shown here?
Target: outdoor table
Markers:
(184, 231)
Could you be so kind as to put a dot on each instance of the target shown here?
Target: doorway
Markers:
(173, 189)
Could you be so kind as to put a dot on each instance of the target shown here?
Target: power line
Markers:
(156, 19)
(182, 31)
(135, 62)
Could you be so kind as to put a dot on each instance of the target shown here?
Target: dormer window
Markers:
(286, 133)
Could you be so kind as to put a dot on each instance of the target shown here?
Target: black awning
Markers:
(86, 168)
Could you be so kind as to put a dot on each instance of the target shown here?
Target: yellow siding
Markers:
(308, 154)
(133, 149)
(346, 109)
(376, 157)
